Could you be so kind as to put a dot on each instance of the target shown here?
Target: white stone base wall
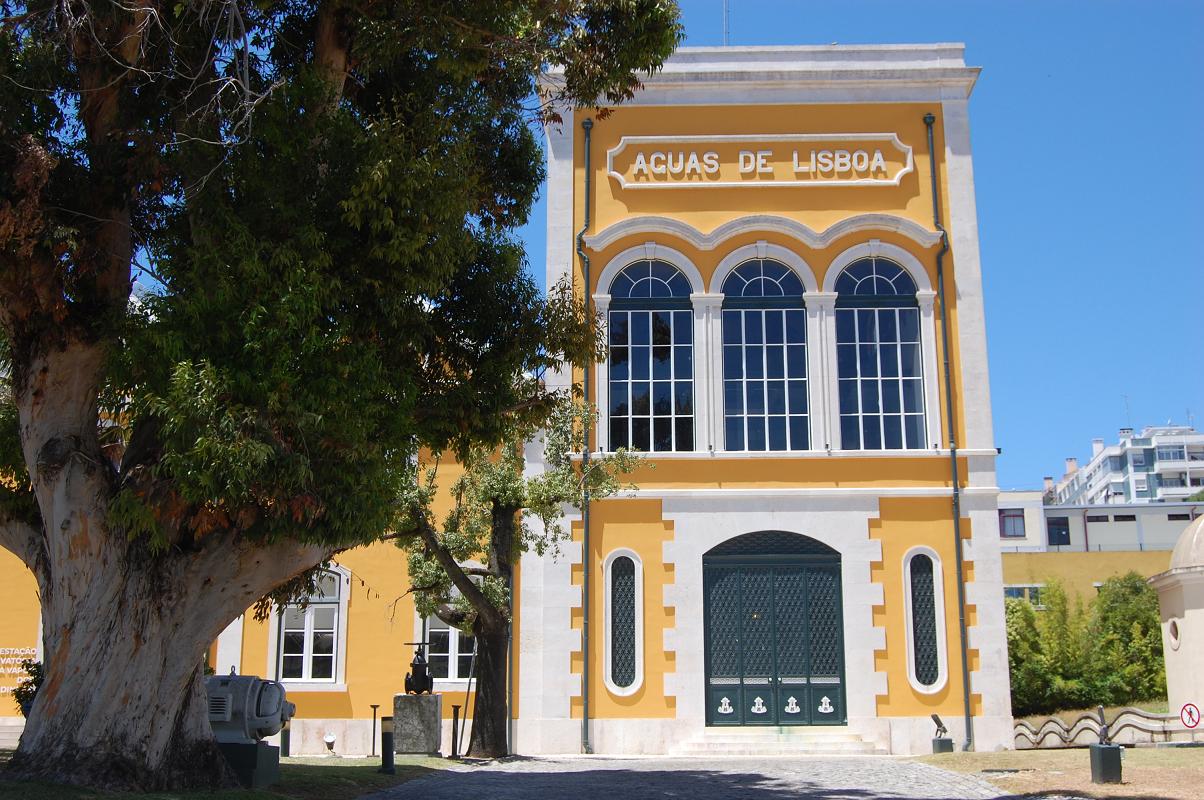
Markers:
(353, 737)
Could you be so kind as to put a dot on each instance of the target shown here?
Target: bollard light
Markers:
(386, 746)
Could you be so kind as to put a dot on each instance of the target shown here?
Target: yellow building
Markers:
(757, 228)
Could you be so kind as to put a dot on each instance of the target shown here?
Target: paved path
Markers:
(751, 778)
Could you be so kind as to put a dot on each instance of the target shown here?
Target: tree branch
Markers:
(451, 615)
(459, 577)
(21, 539)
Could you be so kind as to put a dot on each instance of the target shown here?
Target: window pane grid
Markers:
(308, 637)
(765, 379)
(651, 380)
(449, 651)
(880, 378)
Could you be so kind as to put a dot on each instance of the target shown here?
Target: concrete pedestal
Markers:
(255, 765)
(417, 723)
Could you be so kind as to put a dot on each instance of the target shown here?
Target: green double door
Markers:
(774, 640)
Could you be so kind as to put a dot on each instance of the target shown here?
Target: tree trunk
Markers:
(125, 629)
(489, 717)
(123, 704)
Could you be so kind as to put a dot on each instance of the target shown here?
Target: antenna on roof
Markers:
(726, 26)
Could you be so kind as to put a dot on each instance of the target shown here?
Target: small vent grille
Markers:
(219, 707)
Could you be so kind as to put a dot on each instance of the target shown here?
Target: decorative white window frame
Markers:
(701, 310)
(424, 629)
(339, 683)
(938, 604)
(607, 576)
(813, 305)
(925, 297)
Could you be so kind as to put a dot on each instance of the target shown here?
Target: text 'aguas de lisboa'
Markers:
(685, 163)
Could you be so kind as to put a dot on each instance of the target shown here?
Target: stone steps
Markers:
(10, 732)
(777, 741)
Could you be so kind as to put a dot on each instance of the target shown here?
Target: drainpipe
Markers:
(586, 747)
(968, 743)
(1086, 534)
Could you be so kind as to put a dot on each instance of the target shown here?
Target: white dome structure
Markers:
(1181, 602)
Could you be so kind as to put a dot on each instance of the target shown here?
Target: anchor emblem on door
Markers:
(825, 706)
(759, 707)
(792, 706)
(725, 706)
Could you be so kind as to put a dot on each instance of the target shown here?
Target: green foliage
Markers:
(1068, 656)
(27, 688)
(495, 493)
(330, 278)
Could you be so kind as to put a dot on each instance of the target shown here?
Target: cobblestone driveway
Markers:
(569, 778)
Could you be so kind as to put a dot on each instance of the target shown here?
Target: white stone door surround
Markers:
(837, 518)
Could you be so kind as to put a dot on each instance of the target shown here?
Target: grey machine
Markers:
(243, 710)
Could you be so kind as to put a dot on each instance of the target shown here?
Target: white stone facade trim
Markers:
(650, 251)
(229, 648)
(608, 622)
(963, 241)
(760, 223)
(877, 249)
(764, 250)
(842, 523)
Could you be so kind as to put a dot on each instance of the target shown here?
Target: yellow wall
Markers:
(903, 524)
(636, 525)
(18, 627)
(817, 207)
(1078, 572)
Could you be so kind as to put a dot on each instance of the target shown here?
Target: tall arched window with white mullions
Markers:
(926, 670)
(624, 613)
(879, 362)
(651, 359)
(764, 358)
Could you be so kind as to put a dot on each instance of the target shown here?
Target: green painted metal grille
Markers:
(724, 622)
(790, 594)
(923, 620)
(758, 624)
(824, 622)
(622, 621)
(772, 542)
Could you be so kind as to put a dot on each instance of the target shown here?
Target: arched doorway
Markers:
(774, 638)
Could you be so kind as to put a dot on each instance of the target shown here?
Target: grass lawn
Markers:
(1110, 712)
(1148, 772)
(301, 779)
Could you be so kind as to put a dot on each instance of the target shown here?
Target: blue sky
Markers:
(1088, 136)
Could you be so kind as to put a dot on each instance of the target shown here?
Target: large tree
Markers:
(503, 504)
(317, 201)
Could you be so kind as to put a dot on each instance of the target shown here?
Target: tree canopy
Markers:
(252, 257)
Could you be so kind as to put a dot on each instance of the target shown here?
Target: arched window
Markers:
(764, 358)
(925, 621)
(879, 361)
(651, 359)
(624, 623)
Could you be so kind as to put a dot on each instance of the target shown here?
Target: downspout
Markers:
(959, 548)
(586, 747)
(1086, 534)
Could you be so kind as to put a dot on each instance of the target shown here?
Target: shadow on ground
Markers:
(553, 782)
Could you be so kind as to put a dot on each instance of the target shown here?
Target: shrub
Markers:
(27, 689)
(1068, 656)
